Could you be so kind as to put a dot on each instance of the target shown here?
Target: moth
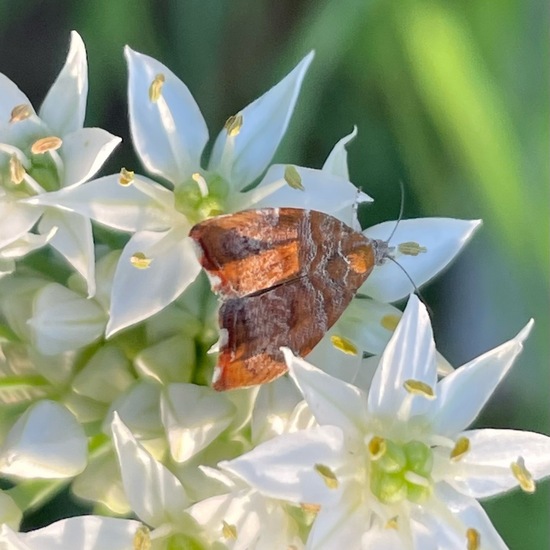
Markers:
(284, 276)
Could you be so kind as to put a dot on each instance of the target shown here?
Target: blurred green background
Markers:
(451, 97)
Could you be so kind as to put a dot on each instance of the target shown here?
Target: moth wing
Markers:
(251, 251)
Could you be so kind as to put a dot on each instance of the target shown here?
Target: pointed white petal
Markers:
(65, 105)
(16, 219)
(464, 392)
(139, 293)
(155, 494)
(84, 533)
(45, 442)
(193, 417)
(143, 206)
(169, 134)
(264, 124)
(63, 320)
(10, 540)
(73, 239)
(284, 467)
(322, 191)
(443, 239)
(410, 355)
(340, 526)
(84, 152)
(25, 244)
(337, 161)
(332, 401)
(485, 470)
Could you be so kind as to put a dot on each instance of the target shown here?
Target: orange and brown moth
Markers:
(284, 277)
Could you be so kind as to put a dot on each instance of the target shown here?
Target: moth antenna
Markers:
(416, 289)
(401, 209)
(355, 217)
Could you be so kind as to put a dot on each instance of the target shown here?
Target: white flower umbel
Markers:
(42, 153)
(397, 468)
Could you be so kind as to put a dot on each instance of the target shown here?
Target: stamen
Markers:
(201, 182)
(416, 479)
(155, 89)
(523, 475)
(411, 248)
(17, 171)
(233, 125)
(417, 387)
(390, 322)
(229, 531)
(310, 508)
(126, 177)
(392, 523)
(140, 261)
(462, 446)
(473, 539)
(142, 539)
(330, 479)
(344, 345)
(20, 112)
(43, 145)
(293, 178)
(377, 447)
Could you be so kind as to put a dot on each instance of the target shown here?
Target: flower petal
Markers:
(11, 96)
(485, 470)
(143, 206)
(463, 393)
(284, 467)
(16, 219)
(84, 152)
(332, 401)
(193, 417)
(9, 512)
(169, 134)
(65, 105)
(155, 494)
(264, 124)
(337, 160)
(84, 533)
(73, 239)
(321, 191)
(410, 355)
(139, 293)
(443, 239)
(63, 320)
(46, 442)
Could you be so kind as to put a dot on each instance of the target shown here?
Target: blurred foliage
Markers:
(449, 97)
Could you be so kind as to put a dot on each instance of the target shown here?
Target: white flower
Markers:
(42, 153)
(84, 533)
(397, 467)
(169, 134)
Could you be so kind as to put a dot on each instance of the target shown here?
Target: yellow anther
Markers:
(229, 531)
(392, 523)
(330, 479)
(473, 539)
(390, 322)
(522, 474)
(17, 171)
(462, 446)
(417, 387)
(233, 125)
(377, 447)
(43, 145)
(20, 112)
(411, 248)
(142, 539)
(293, 178)
(126, 177)
(140, 260)
(155, 89)
(343, 344)
(310, 508)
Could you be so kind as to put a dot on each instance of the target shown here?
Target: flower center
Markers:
(400, 471)
(202, 196)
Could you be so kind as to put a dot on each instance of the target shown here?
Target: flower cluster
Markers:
(105, 348)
